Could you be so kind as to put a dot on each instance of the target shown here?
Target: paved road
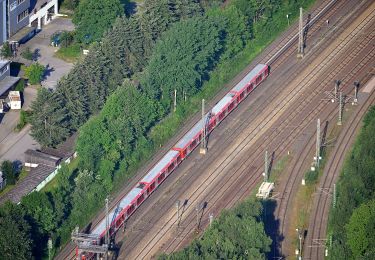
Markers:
(12, 144)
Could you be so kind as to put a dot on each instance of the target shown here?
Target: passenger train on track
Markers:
(161, 170)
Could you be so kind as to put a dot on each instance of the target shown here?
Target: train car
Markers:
(180, 151)
(192, 138)
(161, 170)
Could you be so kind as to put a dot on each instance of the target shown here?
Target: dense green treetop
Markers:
(92, 18)
(15, 242)
(236, 234)
(360, 231)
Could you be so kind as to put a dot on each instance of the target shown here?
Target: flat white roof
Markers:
(159, 166)
(240, 85)
(190, 135)
(222, 103)
(100, 228)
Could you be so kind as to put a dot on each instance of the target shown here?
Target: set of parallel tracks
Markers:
(232, 175)
(254, 179)
(235, 179)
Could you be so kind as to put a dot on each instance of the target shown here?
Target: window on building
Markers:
(3, 70)
(22, 15)
(20, 1)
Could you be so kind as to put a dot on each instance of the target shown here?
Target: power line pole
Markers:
(337, 85)
(266, 166)
(334, 195)
(106, 221)
(203, 149)
(175, 100)
(300, 40)
(340, 108)
(178, 203)
(317, 154)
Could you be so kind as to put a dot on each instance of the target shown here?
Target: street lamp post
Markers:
(287, 17)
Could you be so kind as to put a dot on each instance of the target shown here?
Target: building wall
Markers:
(3, 21)
(15, 10)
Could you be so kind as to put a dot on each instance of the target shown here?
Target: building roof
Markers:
(63, 150)
(21, 34)
(40, 157)
(29, 183)
(160, 166)
(7, 83)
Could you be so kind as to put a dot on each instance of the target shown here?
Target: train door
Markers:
(240, 97)
(231, 106)
(151, 188)
(130, 210)
(161, 178)
(250, 88)
(140, 199)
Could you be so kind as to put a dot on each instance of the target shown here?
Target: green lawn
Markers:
(70, 53)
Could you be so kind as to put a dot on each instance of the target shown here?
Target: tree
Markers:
(6, 51)
(92, 18)
(34, 73)
(9, 172)
(15, 241)
(360, 230)
(183, 58)
(40, 208)
(49, 119)
(70, 4)
(236, 234)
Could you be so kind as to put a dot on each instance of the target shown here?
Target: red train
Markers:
(180, 151)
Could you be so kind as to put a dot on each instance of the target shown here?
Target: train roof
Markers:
(222, 103)
(191, 134)
(240, 85)
(100, 228)
(159, 166)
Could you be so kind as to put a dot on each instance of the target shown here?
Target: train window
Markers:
(161, 177)
(200, 137)
(130, 209)
(250, 88)
(221, 116)
(193, 144)
(140, 199)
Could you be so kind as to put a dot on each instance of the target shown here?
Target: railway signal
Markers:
(356, 87)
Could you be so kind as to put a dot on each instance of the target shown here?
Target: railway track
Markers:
(206, 181)
(285, 39)
(298, 167)
(314, 247)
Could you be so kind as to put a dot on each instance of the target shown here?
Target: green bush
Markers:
(34, 73)
(20, 85)
(27, 54)
(24, 119)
